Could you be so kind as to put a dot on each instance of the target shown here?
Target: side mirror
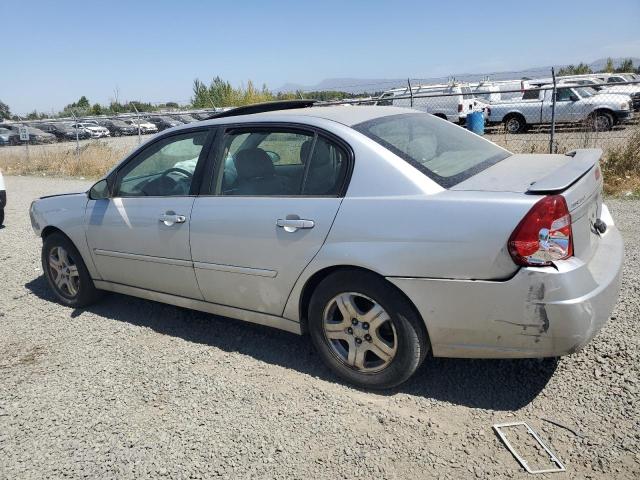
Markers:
(574, 98)
(99, 191)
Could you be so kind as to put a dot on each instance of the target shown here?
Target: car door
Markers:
(273, 198)
(140, 235)
(566, 109)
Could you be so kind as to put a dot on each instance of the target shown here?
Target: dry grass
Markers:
(621, 161)
(93, 161)
(621, 167)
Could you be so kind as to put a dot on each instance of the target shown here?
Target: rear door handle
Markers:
(291, 225)
(171, 218)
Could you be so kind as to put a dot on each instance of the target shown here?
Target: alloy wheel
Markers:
(513, 125)
(64, 272)
(360, 332)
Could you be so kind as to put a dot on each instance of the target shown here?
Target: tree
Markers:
(609, 67)
(5, 112)
(83, 103)
(96, 109)
(626, 66)
(580, 69)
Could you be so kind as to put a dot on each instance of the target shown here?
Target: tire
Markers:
(515, 124)
(76, 289)
(601, 122)
(383, 355)
(1, 216)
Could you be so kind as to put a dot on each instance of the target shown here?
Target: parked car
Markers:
(598, 84)
(616, 77)
(574, 104)
(118, 128)
(451, 101)
(202, 115)
(162, 122)
(93, 129)
(36, 136)
(5, 137)
(145, 127)
(383, 232)
(3, 198)
(184, 118)
(64, 131)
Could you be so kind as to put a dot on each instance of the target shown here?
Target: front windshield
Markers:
(586, 92)
(444, 152)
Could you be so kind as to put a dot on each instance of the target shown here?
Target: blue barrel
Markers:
(475, 122)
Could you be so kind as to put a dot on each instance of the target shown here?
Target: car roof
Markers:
(344, 114)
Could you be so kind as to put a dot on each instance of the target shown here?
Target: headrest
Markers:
(321, 154)
(253, 162)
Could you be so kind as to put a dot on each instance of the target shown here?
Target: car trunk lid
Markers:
(576, 176)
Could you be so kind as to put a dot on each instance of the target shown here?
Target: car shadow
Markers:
(488, 384)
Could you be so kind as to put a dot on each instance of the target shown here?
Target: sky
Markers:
(56, 51)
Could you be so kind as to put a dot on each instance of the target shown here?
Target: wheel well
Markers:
(511, 115)
(440, 115)
(316, 278)
(48, 230)
(605, 111)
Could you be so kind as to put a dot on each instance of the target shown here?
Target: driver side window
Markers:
(163, 169)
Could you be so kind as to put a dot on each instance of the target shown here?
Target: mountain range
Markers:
(361, 85)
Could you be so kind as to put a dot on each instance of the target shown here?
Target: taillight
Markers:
(544, 235)
(460, 107)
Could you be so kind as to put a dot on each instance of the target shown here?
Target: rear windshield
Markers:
(444, 152)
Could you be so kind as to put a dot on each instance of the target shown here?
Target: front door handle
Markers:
(292, 224)
(171, 218)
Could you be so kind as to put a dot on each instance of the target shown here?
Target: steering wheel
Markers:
(186, 173)
(164, 183)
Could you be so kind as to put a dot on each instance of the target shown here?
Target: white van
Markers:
(452, 101)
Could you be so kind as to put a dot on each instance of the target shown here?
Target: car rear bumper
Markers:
(540, 312)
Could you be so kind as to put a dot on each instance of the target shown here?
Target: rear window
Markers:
(531, 94)
(444, 152)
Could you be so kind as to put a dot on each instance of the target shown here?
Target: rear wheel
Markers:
(66, 272)
(515, 124)
(365, 330)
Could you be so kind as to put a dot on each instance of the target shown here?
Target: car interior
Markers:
(280, 163)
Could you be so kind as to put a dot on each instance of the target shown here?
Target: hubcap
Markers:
(602, 123)
(513, 125)
(360, 332)
(64, 272)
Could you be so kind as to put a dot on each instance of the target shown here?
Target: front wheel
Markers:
(601, 122)
(66, 272)
(365, 330)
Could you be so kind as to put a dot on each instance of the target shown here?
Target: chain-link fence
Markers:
(524, 116)
(528, 116)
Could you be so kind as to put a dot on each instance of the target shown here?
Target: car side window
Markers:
(328, 164)
(563, 95)
(165, 168)
(281, 163)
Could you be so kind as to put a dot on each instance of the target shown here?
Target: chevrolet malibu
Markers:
(382, 232)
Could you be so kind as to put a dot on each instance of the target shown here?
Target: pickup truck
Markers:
(574, 104)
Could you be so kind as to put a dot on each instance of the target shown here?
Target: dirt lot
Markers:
(135, 389)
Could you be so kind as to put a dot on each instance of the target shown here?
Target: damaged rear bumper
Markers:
(540, 312)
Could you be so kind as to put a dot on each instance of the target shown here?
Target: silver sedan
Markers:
(384, 233)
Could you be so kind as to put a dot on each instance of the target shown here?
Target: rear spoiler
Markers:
(570, 173)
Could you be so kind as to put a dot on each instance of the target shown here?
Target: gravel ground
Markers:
(131, 388)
